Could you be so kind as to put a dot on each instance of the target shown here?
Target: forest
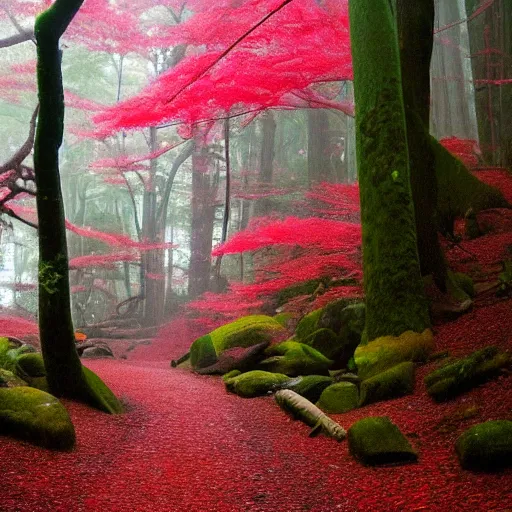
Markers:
(255, 255)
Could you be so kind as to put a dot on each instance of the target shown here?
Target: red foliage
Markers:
(115, 239)
(102, 260)
(304, 44)
(17, 326)
(310, 232)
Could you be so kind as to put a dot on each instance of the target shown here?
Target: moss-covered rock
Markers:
(387, 351)
(309, 386)
(231, 374)
(30, 365)
(325, 341)
(10, 380)
(463, 374)
(352, 320)
(486, 447)
(332, 315)
(36, 416)
(244, 332)
(376, 440)
(392, 383)
(296, 359)
(308, 324)
(255, 383)
(464, 282)
(283, 318)
(338, 398)
(202, 352)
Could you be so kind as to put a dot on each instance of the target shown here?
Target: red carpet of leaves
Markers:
(187, 445)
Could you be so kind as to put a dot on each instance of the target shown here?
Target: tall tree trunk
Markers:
(319, 165)
(268, 138)
(65, 374)
(203, 213)
(395, 300)
(415, 21)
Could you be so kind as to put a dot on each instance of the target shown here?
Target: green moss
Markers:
(376, 440)
(325, 341)
(10, 380)
(231, 374)
(297, 359)
(308, 324)
(486, 447)
(459, 190)
(395, 382)
(309, 386)
(255, 383)
(30, 365)
(388, 351)
(283, 318)
(332, 315)
(95, 393)
(394, 293)
(36, 416)
(339, 397)
(463, 374)
(202, 352)
(305, 288)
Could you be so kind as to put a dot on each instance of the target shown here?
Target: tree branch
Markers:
(17, 39)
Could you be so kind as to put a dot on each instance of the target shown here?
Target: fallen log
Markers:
(302, 409)
(182, 359)
(114, 332)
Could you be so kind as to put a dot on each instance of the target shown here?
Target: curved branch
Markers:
(16, 160)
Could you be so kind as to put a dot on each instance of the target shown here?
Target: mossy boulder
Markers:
(338, 398)
(293, 358)
(387, 351)
(335, 317)
(377, 440)
(30, 365)
(283, 318)
(352, 319)
(236, 358)
(325, 341)
(486, 446)
(463, 374)
(244, 332)
(255, 383)
(35, 416)
(202, 352)
(10, 380)
(309, 386)
(308, 324)
(392, 383)
(231, 374)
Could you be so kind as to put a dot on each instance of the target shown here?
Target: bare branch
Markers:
(17, 39)
(16, 160)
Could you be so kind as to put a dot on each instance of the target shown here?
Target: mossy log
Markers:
(464, 374)
(302, 409)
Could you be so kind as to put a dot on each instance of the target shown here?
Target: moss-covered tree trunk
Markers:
(415, 23)
(395, 297)
(65, 374)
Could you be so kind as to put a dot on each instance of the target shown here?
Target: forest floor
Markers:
(185, 444)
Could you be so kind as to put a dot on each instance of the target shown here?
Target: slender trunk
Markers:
(268, 125)
(64, 371)
(319, 165)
